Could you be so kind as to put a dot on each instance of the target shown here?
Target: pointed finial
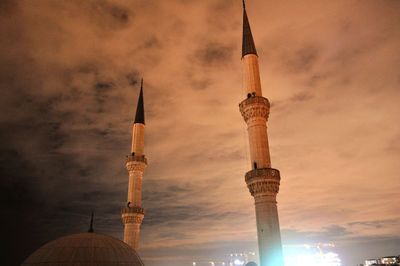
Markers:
(248, 46)
(139, 118)
(91, 224)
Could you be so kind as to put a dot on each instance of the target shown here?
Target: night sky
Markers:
(69, 79)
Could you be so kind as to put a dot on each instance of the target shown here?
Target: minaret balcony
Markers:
(254, 107)
(136, 158)
(254, 100)
(263, 183)
(132, 215)
(262, 174)
(132, 210)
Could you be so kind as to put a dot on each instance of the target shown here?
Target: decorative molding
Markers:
(263, 182)
(263, 173)
(132, 165)
(132, 219)
(253, 107)
(261, 188)
(133, 215)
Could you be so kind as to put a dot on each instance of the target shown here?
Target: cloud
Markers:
(70, 77)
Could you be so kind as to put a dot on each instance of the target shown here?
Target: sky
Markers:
(70, 75)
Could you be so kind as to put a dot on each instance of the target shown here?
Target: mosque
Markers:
(263, 182)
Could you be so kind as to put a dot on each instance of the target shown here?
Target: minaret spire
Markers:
(262, 181)
(133, 213)
(91, 224)
(248, 46)
(139, 118)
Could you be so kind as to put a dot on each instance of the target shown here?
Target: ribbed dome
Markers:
(83, 250)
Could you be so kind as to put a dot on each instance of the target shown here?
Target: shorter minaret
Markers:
(133, 213)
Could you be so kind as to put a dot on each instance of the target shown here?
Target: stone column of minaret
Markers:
(133, 213)
(262, 181)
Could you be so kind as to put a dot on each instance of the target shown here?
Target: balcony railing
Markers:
(268, 173)
(253, 100)
(133, 209)
(136, 158)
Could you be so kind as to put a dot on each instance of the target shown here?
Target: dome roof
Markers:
(83, 250)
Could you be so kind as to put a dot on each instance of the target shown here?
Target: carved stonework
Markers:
(254, 106)
(135, 166)
(132, 215)
(261, 188)
(263, 173)
(263, 182)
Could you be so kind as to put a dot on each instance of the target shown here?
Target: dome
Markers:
(83, 250)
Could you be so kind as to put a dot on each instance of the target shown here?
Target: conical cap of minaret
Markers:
(138, 126)
(251, 72)
(139, 118)
(248, 46)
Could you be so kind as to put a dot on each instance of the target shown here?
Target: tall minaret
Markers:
(133, 213)
(262, 181)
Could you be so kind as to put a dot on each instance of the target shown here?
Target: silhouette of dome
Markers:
(251, 263)
(83, 250)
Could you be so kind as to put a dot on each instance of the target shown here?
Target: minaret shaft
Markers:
(133, 213)
(137, 139)
(268, 233)
(258, 143)
(135, 188)
(251, 75)
(262, 181)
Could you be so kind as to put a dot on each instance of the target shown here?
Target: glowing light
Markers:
(311, 255)
(238, 262)
(194, 263)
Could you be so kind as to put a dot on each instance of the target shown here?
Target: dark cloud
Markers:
(301, 97)
(133, 78)
(152, 42)
(376, 223)
(331, 233)
(214, 54)
(109, 15)
(200, 84)
(302, 60)
(8, 6)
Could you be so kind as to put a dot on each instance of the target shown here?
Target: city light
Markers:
(320, 254)
(311, 255)
(238, 262)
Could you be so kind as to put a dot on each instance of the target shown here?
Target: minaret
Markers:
(133, 213)
(262, 181)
